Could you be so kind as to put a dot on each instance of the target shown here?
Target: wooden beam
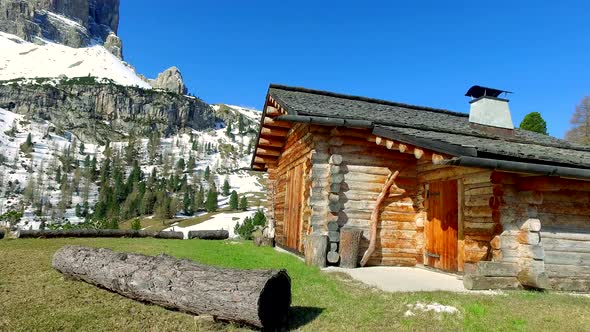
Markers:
(272, 123)
(402, 148)
(272, 111)
(277, 132)
(265, 160)
(270, 143)
(259, 166)
(267, 152)
(437, 158)
(418, 153)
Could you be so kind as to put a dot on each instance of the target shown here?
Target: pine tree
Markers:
(228, 130)
(249, 151)
(211, 203)
(92, 173)
(226, 187)
(191, 163)
(153, 147)
(135, 176)
(233, 200)
(78, 211)
(27, 146)
(241, 123)
(174, 207)
(131, 152)
(244, 203)
(58, 174)
(180, 165)
(147, 203)
(82, 147)
(207, 173)
(187, 203)
(198, 200)
(136, 224)
(534, 122)
(85, 209)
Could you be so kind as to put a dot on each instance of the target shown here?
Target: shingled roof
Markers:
(436, 129)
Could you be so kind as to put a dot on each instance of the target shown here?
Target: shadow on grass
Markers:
(300, 316)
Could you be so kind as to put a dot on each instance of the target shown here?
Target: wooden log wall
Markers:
(546, 230)
(476, 226)
(296, 152)
(348, 173)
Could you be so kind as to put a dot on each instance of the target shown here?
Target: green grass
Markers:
(34, 297)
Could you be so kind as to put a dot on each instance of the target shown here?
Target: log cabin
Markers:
(465, 193)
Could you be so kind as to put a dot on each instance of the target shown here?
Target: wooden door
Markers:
(293, 203)
(441, 228)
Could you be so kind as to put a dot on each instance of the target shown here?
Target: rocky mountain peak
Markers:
(170, 80)
(74, 23)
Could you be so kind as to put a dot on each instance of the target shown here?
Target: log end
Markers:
(275, 300)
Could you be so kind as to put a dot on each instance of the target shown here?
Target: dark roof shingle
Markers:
(430, 124)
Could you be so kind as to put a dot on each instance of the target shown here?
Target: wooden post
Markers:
(460, 226)
(316, 249)
(350, 239)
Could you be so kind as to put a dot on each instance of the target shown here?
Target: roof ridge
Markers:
(365, 99)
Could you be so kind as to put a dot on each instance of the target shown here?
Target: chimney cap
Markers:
(477, 91)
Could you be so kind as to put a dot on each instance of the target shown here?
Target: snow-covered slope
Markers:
(225, 155)
(22, 59)
(250, 113)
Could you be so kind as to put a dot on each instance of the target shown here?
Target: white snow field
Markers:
(22, 59)
(222, 221)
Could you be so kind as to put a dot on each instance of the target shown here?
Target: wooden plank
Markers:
(441, 230)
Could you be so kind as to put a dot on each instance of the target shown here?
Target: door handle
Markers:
(433, 255)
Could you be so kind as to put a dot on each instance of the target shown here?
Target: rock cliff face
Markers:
(97, 111)
(169, 80)
(74, 23)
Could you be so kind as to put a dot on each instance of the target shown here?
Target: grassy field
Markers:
(34, 297)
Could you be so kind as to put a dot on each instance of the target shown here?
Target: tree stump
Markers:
(1, 234)
(258, 298)
(350, 239)
(209, 235)
(316, 249)
(262, 241)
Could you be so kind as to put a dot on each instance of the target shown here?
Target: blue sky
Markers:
(420, 52)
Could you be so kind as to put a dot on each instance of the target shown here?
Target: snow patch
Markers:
(221, 221)
(22, 59)
(434, 307)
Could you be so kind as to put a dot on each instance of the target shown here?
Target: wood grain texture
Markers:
(441, 230)
(260, 298)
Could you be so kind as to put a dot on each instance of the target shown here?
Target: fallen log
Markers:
(48, 234)
(209, 235)
(258, 298)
